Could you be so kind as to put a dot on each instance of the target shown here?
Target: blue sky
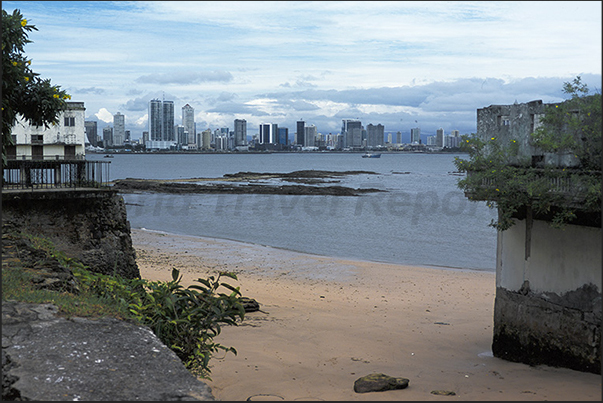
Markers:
(401, 64)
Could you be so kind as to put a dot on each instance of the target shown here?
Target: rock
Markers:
(379, 383)
(47, 357)
(443, 392)
(250, 304)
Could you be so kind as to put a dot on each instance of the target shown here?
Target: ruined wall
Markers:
(90, 225)
(516, 122)
(548, 305)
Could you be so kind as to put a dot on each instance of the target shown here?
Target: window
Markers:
(37, 138)
(69, 121)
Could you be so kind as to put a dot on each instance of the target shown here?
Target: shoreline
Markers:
(309, 254)
(325, 322)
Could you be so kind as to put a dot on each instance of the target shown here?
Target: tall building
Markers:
(119, 129)
(240, 132)
(415, 136)
(283, 136)
(188, 121)
(351, 130)
(168, 121)
(264, 133)
(398, 137)
(155, 119)
(91, 128)
(161, 121)
(300, 133)
(375, 135)
(310, 136)
(440, 137)
(107, 137)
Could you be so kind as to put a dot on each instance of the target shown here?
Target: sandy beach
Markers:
(325, 322)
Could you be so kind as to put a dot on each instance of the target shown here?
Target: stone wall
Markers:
(548, 297)
(87, 224)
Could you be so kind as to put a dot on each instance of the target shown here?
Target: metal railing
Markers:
(51, 174)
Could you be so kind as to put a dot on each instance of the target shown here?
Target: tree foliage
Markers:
(24, 92)
(496, 174)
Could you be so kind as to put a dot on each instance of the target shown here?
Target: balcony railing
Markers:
(573, 188)
(49, 174)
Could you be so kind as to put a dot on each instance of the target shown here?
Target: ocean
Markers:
(421, 218)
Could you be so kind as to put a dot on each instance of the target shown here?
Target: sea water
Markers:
(421, 217)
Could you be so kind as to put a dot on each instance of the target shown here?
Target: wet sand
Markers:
(324, 322)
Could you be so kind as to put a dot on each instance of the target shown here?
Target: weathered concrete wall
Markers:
(548, 306)
(516, 122)
(90, 225)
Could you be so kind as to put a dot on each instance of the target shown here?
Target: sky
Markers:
(401, 64)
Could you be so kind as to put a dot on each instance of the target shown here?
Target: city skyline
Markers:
(404, 65)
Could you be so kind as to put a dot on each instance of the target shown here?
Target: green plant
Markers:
(23, 91)
(497, 175)
(188, 319)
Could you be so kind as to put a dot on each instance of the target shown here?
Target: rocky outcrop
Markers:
(47, 357)
(244, 183)
(90, 226)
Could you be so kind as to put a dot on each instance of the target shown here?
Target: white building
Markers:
(64, 140)
(119, 129)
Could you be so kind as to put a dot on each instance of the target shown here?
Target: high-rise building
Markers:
(107, 137)
(440, 137)
(415, 136)
(188, 121)
(168, 121)
(310, 136)
(264, 133)
(398, 137)
(301, 133)
(119, 129)
(283, 136)
(375, 135)
(161, 120)
(155, 119)
(351, 130)
(240, 132)
(91, 128)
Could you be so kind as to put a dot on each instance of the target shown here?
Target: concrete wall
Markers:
(517, 122)
(548, 306)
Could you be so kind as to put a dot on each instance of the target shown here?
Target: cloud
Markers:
(186, 77)
(90, 90)
(104, 115)
(137, 104)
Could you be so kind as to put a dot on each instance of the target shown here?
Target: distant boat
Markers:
(371, 155)
(108, 156)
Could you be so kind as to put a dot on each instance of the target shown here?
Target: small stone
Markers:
(379, 383)
(443, 392)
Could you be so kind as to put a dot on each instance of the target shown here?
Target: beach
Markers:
(325, 322)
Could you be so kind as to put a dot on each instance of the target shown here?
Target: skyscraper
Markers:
(91, 128)
(168, 121)
(351, 130)
(301, 133)
(440, 137)
(119, 129)
(415, 135)
(264, 133)
(188, 121)
(375, 135)
(310, 136)
(155, 119)
(240, 132)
